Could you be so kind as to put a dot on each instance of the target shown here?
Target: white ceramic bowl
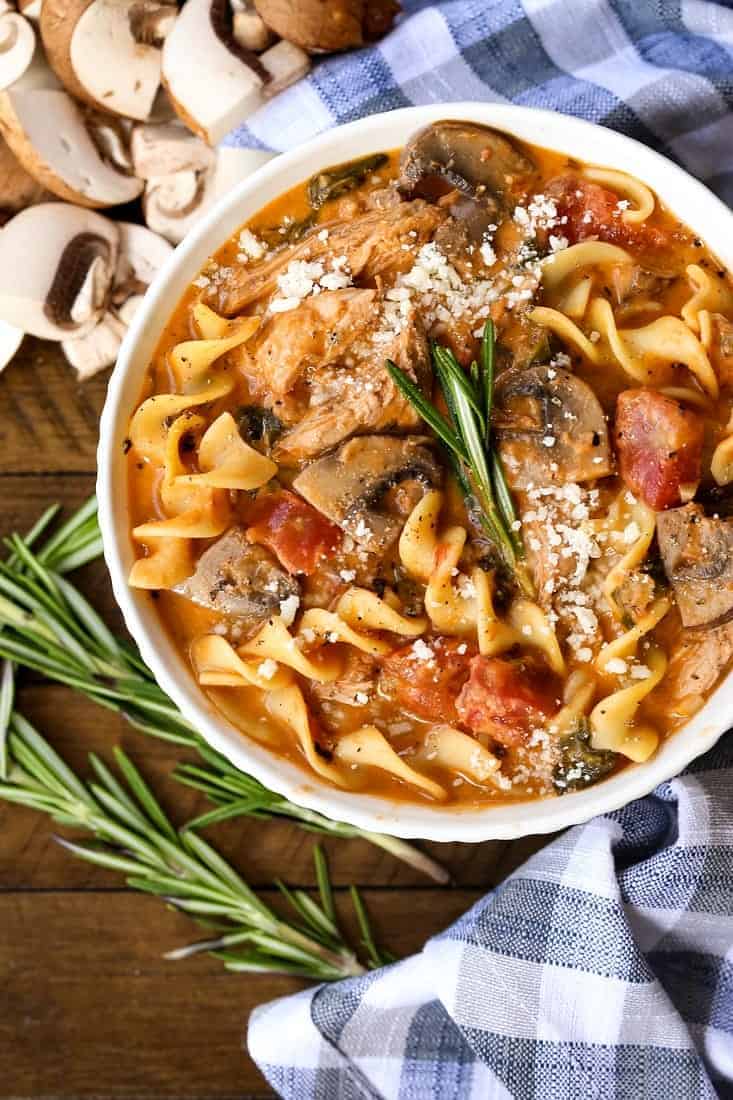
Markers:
(694, 204)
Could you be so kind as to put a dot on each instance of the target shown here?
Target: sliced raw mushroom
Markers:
(107, 52)
(17, 44)
(239, 579)
(249, 28)
(163, 149)
(697, 552)
(141, 255)
(228, 82)
(353, 486)
(50, 136)
(327, 28)
(57, 263)
(18, 189)
(98, 349)
(10, 340)
(551, 428)
(173, 203)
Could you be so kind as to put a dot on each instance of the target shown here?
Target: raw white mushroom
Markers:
(141, 255)
(107, 52)
(49, 135)
(17, 44)
(227, 82)
(57, 263)
(98, 349)
(10, 340)
(163, 149)
(173, 203)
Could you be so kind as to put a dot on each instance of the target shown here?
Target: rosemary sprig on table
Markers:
(467, 439)
(47, 625)
(131, 834)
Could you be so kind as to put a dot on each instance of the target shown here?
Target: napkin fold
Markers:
(600, 970)
(603, 968)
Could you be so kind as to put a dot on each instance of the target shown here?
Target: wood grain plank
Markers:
(29, 858)
(92, 1009)
(51, 420)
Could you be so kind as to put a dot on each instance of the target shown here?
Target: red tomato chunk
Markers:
(593, 211)
(297, 533)
(659, 445)
(506, 699)
(427, 685)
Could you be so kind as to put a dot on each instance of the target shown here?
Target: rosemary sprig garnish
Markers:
(48, 626)
(132, 835)
(467, 436)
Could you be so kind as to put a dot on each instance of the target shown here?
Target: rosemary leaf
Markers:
(428, 412)
(39, 612)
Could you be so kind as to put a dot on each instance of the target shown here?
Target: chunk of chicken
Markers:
(346, 401)
(696, 663)
(355, 684)
(372, 243)
(319, 332)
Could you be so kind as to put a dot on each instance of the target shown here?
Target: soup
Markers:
(429, 476)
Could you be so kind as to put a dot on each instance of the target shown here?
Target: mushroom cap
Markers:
(91, 47)
(48, 134)
(228, 82)
(17, 46)
(56, 268)
(473, 159)
(551, 428)
(349, 485)
(697, 552)
(313, 25)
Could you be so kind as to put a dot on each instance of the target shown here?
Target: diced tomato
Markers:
(593, 211)
(296, 532)
(506, 699)
(659, 446)
(426, 679)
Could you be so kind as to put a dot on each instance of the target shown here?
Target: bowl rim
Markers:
(507, 819)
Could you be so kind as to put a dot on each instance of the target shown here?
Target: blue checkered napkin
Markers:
(659, 70)
(601, 970)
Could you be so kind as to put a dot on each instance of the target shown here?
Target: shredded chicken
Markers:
(696, 662)
(316, 334)
(375, 243)
(349, 400)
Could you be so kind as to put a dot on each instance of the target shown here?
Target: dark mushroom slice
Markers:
(697, 551)
(482, 165)
(239, 579)
(550, 427)
(369, 485)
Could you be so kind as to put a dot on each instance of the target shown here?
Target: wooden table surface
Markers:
(88, 1006)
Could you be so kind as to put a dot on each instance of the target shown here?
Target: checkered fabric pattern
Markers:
(603, 968)
(658, 70)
